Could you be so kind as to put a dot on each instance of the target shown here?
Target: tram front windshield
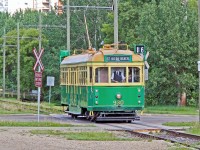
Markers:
(117, 75)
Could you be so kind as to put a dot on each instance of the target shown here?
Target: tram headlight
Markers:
(118, 96)
(139, 102)
(139, 90)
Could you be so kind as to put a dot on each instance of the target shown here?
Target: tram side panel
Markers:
(77, 99)
(105, 98)
(64, 95)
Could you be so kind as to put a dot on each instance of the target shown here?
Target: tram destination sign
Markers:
(118, 58)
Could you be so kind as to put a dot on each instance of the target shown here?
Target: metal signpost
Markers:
(38, 74)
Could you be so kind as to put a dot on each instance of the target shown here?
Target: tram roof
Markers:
(98, 56)
(81, 58)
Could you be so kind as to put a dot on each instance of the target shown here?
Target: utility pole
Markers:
(39, 69)
(199, 53)
(4, 62)
(116, 22)
(18, 63)
(68, 26)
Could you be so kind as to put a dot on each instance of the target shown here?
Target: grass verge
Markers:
(10, 106)
(194, 127)
(91, 136)
(35, 124)
(171, 110)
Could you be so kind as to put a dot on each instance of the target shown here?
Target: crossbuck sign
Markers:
(38, 59)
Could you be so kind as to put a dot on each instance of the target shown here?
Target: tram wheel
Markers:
(87, 115)
(73, 116)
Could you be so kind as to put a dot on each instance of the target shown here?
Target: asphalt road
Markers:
(156, 119)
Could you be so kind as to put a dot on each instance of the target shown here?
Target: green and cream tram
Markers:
(103, 85)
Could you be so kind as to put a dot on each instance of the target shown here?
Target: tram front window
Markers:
(118, 74)
(134, 74)
(101, 75)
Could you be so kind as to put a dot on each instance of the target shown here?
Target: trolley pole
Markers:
(199, 52)
(68, 26)
(116, 22)
(68, 8)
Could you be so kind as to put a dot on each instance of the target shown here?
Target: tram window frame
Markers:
(138, 70)
(63, 77)
(82, 75)
(100, 75)
(121, 69)
(134, 74)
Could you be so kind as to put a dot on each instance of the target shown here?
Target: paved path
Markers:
(157, 119)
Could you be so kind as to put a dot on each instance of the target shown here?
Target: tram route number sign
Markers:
(38, 79)
(139, 49)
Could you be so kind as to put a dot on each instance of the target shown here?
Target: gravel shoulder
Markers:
(19, 138)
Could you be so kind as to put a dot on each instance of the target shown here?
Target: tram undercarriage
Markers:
(112, 116)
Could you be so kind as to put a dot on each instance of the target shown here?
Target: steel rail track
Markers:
(185, 139)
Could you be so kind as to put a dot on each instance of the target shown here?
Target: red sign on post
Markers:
(38, 79)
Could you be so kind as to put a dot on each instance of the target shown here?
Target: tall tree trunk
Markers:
(178, 99)
(179, 94)
(183, 99)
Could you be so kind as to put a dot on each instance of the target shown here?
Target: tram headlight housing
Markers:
(118, 96)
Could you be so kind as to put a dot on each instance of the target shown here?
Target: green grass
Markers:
(171, 110)
(91, 136)
(11, 106)
(35, 124)
(194, 127)
(179, 124)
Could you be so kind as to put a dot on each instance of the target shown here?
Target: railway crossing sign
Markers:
(38, 59)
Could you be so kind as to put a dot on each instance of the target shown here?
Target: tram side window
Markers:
(63, 77)
(101, 75)
(82, 75)
(134, 74)
(118, 74)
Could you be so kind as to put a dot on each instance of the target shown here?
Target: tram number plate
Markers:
(118, 58)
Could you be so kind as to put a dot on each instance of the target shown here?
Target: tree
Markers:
(27, 59)
(169, 32)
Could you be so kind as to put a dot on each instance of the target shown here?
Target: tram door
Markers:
(73, 90)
